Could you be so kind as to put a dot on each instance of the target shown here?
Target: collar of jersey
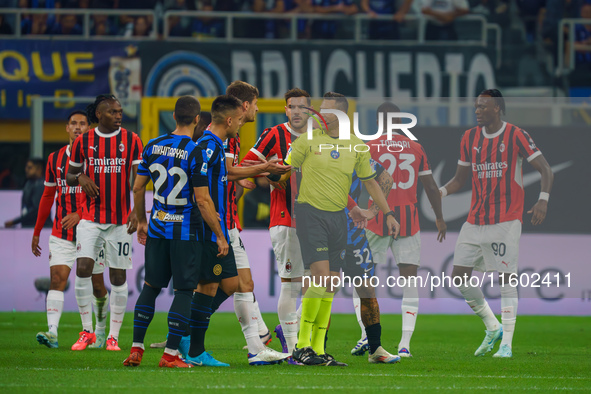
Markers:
(495, 135)
(68, 150)
(217, 139)
(291, 130)
(105, 135)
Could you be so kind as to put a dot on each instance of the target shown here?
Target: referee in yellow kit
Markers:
(327, 167)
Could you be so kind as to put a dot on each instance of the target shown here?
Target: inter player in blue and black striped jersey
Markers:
(172, 236)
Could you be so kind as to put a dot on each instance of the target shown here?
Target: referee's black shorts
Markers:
(214, 269)
(322, 235)
(172, 258)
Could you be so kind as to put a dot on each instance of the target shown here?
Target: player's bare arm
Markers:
(132, 218)
(272, 166)
(541, 207)
(434, 196)
(139, 206)
(376, 193)
(76, 177)
(458, 181)
(385, 182)
(47, 199)
(211, 217)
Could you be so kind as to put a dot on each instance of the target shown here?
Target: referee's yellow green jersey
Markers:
(327, 168)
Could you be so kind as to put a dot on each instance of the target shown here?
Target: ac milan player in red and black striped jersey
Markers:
(274, 143)
(103, 162)
(62, 246)
(492, 153)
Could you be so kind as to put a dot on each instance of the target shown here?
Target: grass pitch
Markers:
(550, 353)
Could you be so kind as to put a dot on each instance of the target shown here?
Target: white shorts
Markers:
(63, 252)
(288, 254)
(406, 250)
(93, 238)
(238, 248)
(492, 247)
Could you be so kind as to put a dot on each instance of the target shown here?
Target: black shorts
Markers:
(214, 269)
(172, 258)
(322, 235)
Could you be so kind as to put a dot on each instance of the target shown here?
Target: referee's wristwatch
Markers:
(391, 213)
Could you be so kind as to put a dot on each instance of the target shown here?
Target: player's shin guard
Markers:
(178, 318)
(475, 299)
(321, 323)
(83, 289)
(201, 310)
(357, 307)
(243, 306)
(118, 303)
(509, 300)
(286, 310)
(55, 306)
(143, 312)
(100, 311)
(410, 309)
(218, 300)
(310, 306)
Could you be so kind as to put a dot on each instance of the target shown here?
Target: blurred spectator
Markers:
(4, 26)
(583, 36)
(297, 7)
(327, 29)
(216, 27)
(34, 24)
(532, 14)
(497, 11)
(67, 26)
(178, 26)
(385, 30)
(32, 192)
(102, 26)
(75, 4)
(266, 28)
(441, 15)
(257, 205)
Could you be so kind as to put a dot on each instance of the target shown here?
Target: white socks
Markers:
(100, 311)
(475, 298)
(83, 289)
(357, 307)
(118, 304)
(244, 308)
(410, 309)
(263, 330)
(287, 312)
(509, 301)
(55, 306)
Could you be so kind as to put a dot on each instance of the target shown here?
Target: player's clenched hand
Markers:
(70, 220)
(132, 223)
(359, 219)
(393, 226)
(275, 167)
(35, 246)
(245, 183)
(223, 247)
(88, 186)
(142, 232)
(279, 185)
(442, 228)
(539, 212)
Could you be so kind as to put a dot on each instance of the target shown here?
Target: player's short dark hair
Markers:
(243, 91)
(91, 108)
(204, 121)
(340, 99)
(497, 96)
(186, 109)
(296, 92)
(222, 105)
(77, 112)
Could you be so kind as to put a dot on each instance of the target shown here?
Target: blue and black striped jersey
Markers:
(212, 173)
(171, 162)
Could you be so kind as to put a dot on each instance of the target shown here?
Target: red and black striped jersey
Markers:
(405, 160)
(66, 196)
(497, 176)
(108, 160)
(274, 144)
(232, 149)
